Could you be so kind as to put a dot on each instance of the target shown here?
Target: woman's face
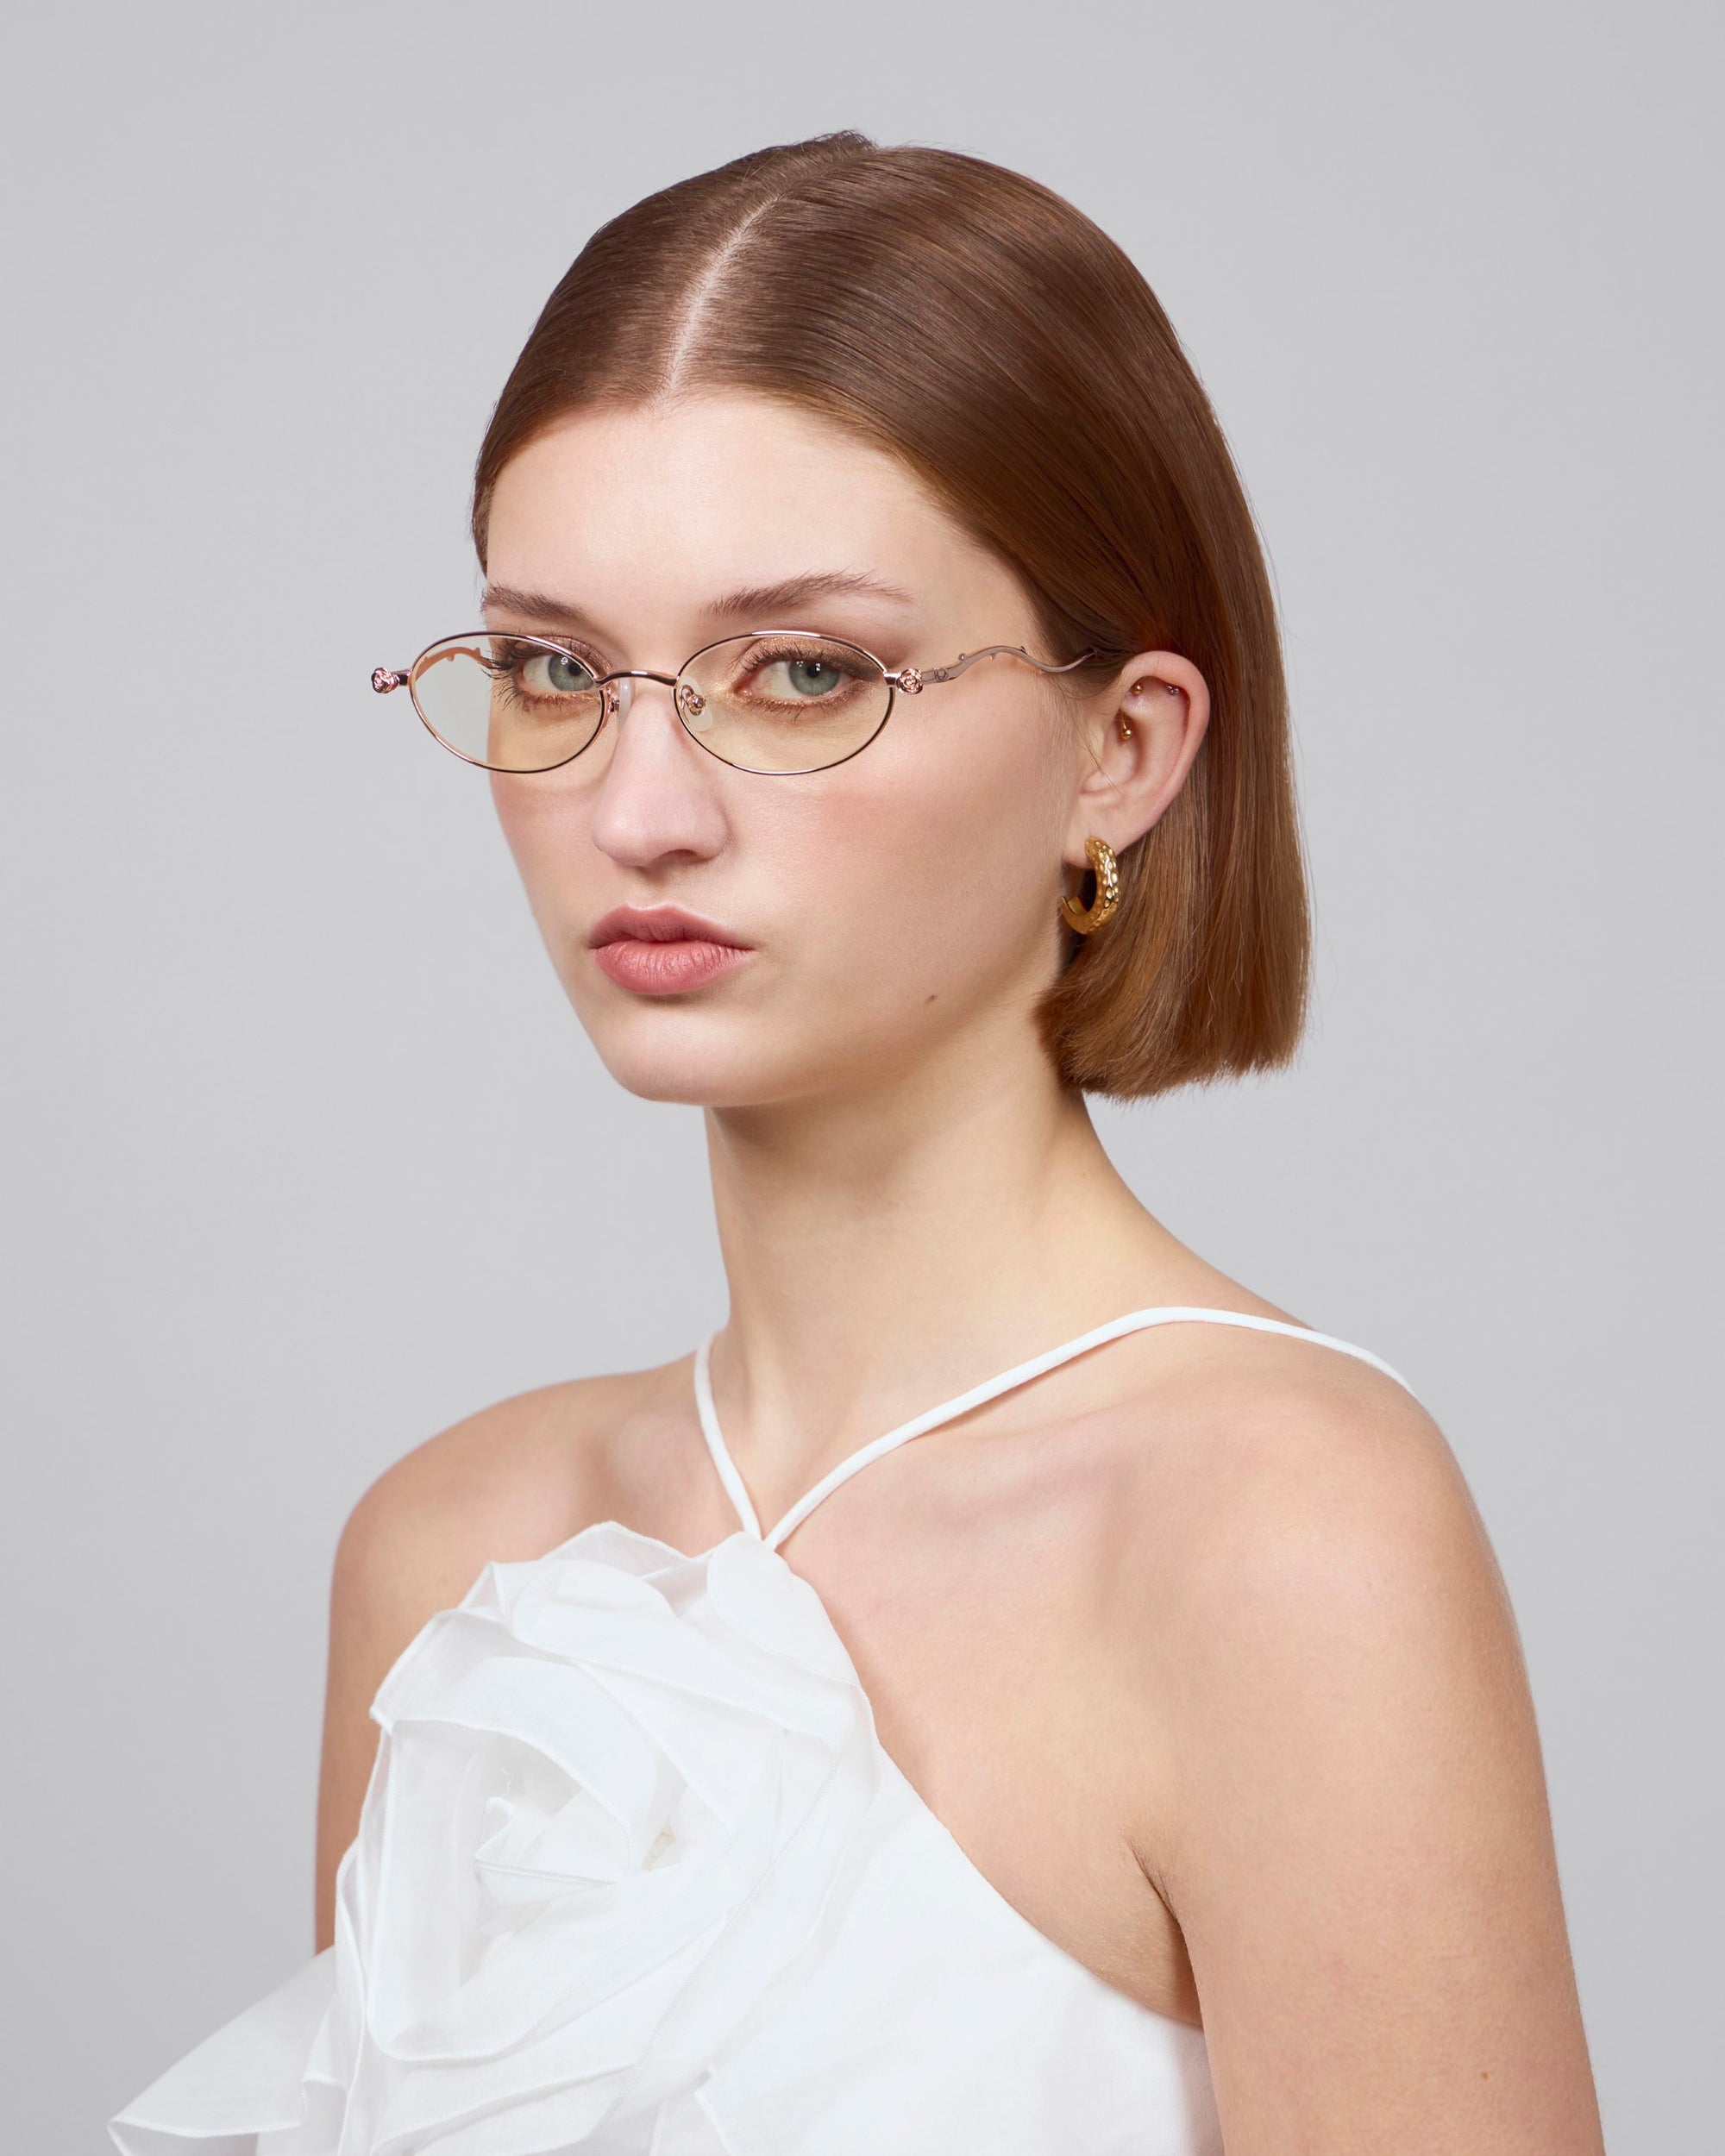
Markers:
(889, 906)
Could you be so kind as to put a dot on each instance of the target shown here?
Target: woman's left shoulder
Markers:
(1295, 1458)
(1348, 1816)
(1288, 1504)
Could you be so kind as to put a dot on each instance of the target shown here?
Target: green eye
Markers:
(812, 677)
(555, 673)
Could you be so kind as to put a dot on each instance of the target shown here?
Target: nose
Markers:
(656, 797)
(622, 686)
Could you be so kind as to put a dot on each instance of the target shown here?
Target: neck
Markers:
(890, 1248)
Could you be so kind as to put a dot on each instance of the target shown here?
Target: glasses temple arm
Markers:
(913, 678)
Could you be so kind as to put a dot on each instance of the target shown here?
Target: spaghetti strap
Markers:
(990, 1388)
(734, 1489)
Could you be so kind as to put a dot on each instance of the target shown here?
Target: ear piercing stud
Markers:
(1141, 688)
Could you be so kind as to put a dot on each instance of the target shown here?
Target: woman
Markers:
(880, 692)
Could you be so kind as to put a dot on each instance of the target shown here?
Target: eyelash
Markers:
(513, 650)
(769, 654)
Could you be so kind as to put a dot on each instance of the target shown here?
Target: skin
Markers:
(1196, 1644)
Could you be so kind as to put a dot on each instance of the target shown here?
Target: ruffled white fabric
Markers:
(634, 1877)
(614, 1790)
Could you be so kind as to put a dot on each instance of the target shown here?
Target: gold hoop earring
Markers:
(1086, 919)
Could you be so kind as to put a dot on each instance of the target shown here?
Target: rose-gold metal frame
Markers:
(906, 682)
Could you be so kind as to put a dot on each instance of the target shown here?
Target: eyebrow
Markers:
(757, 602)
(766, 599)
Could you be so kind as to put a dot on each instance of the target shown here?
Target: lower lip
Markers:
(666, 969)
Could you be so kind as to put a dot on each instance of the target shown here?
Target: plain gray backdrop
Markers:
(306, 1157)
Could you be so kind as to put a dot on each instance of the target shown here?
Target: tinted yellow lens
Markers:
(783, 703)
(512, 703)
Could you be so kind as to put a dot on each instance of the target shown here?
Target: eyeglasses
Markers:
(776, 701)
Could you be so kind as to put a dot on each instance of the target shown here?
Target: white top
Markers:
(634, 1876)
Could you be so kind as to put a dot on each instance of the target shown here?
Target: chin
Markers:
(683, 1056)
(706, 1058)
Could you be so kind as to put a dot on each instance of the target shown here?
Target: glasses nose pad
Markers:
(619, 696)
(692, 708)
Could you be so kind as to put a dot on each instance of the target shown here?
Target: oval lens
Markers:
(783, 700)
(509, 703)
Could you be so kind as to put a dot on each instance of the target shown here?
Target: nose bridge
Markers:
(656, 796)
(622, 684)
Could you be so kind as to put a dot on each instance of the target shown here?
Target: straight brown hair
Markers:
(990, 336)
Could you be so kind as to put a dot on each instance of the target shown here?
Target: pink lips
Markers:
(662, 950)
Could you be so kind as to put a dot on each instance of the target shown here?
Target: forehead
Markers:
(714, 492)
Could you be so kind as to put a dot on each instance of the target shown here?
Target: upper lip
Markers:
(658, 924)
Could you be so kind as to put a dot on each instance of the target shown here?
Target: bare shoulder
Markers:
(1309, 1514)
(508, 1482)
(1347, 1814)
(1301, 1469)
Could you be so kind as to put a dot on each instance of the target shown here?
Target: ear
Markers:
(1140, 734)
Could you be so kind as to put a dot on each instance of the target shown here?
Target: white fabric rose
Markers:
(617, 1802)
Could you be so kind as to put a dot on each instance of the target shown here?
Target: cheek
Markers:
(540, 814)
(546, 821)
(933, 877)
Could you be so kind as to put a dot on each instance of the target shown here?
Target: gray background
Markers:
(306, 1155)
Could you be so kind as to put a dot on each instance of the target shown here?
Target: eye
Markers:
(551, 673)
(794, 673)
(806, 676)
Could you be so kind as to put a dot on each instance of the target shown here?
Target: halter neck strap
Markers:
(991, 1389)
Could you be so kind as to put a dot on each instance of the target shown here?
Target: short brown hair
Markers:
(989, 334)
